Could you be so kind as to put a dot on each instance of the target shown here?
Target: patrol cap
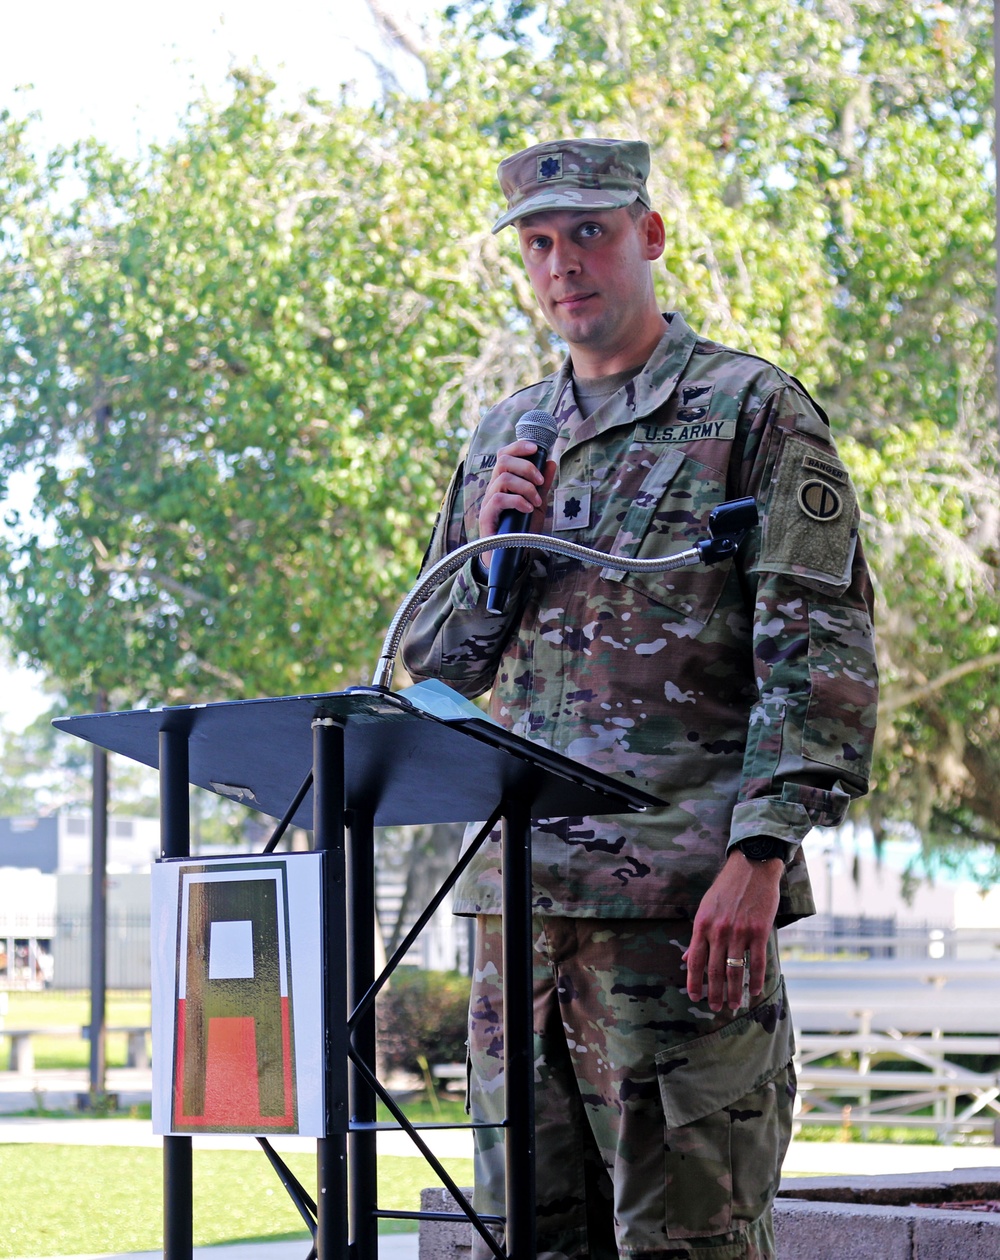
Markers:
(573, 175)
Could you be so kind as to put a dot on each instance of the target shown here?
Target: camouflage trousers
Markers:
(661, 1125)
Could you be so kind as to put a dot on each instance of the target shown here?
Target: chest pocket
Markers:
(668, 513)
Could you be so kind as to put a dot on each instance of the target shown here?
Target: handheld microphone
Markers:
(541, 428)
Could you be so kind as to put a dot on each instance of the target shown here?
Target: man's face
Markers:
(591, 275)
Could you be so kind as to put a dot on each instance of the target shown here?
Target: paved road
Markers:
(445, 1143)
(820, 1158)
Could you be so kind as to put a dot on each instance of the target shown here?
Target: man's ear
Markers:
(654, 234)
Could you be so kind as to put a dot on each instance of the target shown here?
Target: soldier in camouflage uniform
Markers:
(742, 695)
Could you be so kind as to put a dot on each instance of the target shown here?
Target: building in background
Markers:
(868, 904)
(884, 899)
(45, 902)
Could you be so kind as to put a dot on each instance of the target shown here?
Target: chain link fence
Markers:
(43, 953)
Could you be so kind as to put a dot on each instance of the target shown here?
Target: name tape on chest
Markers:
(690, 431)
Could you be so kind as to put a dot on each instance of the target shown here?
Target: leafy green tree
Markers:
(244, 368)
(41, 772)
(826, 177)
(223, 377)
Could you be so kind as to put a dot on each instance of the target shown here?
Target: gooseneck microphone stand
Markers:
(728, 524)
(374, 758)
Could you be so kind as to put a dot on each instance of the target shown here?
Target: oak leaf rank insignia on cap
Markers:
(550, 166)
(573, 175)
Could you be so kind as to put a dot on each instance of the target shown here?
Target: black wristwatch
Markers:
(763, 848)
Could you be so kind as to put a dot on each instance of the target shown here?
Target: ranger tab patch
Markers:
(825, 468)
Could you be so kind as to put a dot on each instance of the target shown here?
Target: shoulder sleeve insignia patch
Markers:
(810, 515)
(819, 500)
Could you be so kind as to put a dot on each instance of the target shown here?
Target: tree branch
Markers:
(163, 580)
(393, 31)
(893, 704)
(233, 681)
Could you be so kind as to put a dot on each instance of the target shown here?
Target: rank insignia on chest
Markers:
(571, 507)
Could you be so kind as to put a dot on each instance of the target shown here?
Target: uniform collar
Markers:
(657, 381)
(647, 392)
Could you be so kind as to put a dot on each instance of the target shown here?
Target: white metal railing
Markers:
(911, 1080)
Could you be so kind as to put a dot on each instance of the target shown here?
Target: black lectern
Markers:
(341, 764)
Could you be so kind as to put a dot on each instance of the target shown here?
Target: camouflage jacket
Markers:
(742, 694)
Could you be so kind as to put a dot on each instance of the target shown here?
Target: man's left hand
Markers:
(734, 921)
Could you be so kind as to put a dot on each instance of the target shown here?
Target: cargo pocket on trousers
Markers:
(727, 1102)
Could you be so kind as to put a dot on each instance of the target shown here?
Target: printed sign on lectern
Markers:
(237, 996)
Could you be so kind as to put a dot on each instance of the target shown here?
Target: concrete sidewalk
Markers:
(390, 1247)
(445, 1143)
(820, 1159)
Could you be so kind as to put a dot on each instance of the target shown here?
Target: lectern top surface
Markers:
(403, 763)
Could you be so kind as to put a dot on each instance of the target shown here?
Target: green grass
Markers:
(52, 1008)
(421, 1111)
(62, 1200)
(885, 1133)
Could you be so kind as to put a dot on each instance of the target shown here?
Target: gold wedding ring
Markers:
(736, 962)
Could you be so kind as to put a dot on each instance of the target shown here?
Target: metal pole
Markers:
(518, 1036)
(175, 841)
(332, 1226)
(361, 976)
(98, 917)
(996, 186)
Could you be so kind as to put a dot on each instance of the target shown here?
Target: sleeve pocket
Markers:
(843, 688)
